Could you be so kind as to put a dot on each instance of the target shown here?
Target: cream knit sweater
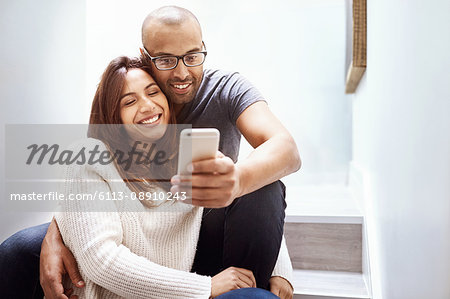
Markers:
(128, 248)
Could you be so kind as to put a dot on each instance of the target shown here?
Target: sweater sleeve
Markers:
(283, 266)
(95, 239)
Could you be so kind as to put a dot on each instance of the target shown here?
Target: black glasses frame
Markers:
(153, 59)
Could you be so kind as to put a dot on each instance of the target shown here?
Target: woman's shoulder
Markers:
(90, 154)
(90, 144)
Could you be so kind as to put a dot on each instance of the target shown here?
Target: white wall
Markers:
(42, 76)
(401, 142)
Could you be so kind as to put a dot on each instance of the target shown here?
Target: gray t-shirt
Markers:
(221, 98)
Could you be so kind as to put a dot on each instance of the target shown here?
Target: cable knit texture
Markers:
(128, 248)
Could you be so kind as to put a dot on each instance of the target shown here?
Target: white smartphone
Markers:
(197, 144)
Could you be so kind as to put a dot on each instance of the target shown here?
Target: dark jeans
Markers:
(246, 234)
(248, 293)
(19, 264)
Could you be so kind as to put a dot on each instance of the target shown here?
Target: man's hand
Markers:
(214, 182)
(55, 261)
(230, 279)
(281, 287)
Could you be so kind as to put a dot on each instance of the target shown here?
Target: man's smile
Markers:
(181, 88)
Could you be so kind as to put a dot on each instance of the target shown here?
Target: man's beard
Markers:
(181, 98)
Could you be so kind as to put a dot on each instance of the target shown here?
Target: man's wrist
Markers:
(53, 233)
(240, 184)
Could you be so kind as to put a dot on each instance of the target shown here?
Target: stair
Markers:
(328, 284)
(323, 231)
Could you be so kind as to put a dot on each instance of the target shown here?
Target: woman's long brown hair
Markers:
(106, 111)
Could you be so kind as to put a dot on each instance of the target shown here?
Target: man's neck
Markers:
(177, 108)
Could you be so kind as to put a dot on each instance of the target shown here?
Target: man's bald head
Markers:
(174, 31)
(167, 15)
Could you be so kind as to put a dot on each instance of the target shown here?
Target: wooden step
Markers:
(321, 203)
(324, 246)
(313, 284)
(323, 229)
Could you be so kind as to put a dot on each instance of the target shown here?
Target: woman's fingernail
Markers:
(175, 180)
(80, 283)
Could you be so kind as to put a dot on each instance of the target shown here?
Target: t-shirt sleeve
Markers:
(238, 94)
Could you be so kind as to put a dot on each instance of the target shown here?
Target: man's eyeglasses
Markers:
(169, 62)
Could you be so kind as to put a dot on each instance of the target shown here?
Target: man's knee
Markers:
(274, 195)
(276, 188)
(19, 263)
(25, 243)
(269, 201)
(258, 216)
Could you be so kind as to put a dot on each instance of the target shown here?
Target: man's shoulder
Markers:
(224, 80)
(218, 74)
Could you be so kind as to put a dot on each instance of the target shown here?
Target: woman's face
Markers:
(143, 106)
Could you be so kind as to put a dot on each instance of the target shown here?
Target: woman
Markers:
(127, 247)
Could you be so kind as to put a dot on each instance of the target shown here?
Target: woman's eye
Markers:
(129, 102)
(153, 93)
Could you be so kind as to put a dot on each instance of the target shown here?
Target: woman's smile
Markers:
(151, 120)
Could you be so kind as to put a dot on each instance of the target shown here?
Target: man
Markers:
(229, 191)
